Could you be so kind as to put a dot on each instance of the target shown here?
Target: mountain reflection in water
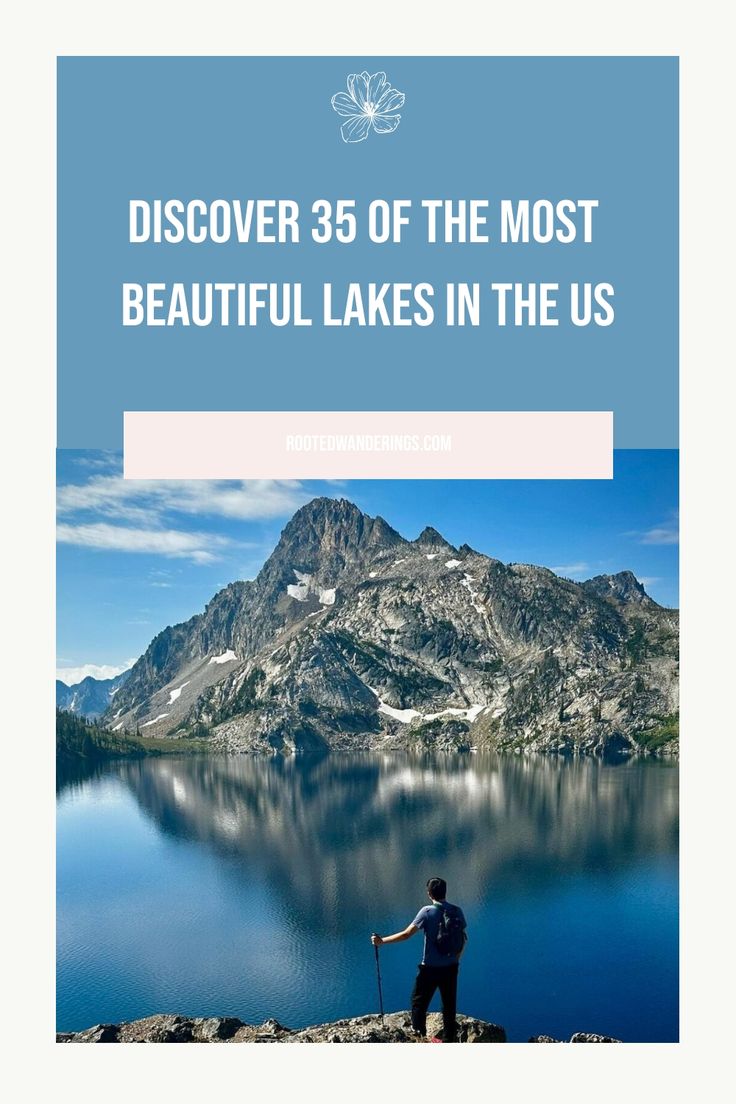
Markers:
(560, 865)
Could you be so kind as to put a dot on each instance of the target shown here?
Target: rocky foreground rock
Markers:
(394, 1028)
(354, 638)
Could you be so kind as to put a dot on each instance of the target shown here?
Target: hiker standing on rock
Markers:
(445, 937)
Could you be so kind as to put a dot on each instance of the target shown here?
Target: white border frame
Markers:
(699, 34)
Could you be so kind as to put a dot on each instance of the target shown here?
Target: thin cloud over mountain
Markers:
(145, 501)
(107, 512)
(572, 570)
(200, 548)
(72, 675)
(667, 533)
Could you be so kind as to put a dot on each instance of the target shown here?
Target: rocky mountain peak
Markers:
(623, 586)
(431, 538)
(325, 512)
(331, 532)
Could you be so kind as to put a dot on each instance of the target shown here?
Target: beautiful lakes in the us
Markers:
(248, 886)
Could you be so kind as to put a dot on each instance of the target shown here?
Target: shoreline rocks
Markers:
(395, 1028)
(578, 1037)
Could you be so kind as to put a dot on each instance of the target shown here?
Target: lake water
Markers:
(249, 887)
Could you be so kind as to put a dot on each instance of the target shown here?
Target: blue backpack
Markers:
(450, 938)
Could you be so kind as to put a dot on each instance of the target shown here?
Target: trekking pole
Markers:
(378, 974)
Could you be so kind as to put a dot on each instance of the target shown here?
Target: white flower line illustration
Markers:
(370, 103)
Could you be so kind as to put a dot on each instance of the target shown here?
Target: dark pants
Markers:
(429, 979)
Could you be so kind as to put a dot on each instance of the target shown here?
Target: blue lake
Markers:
(249, 887)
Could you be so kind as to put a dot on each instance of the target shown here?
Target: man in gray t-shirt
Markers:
(439, 966)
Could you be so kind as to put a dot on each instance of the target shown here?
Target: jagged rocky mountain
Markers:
(353, 637)
(89, 698)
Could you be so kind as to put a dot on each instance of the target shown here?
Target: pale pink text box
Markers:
(519, 444)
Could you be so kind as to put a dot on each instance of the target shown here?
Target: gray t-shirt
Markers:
(428, 919)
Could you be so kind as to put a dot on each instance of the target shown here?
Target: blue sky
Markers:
(134, 557)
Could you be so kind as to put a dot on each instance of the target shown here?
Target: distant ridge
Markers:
(90, 697)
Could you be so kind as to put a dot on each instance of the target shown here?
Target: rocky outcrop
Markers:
(587, 1037)
(578, 1037)
(393, 1028)
(353, 638)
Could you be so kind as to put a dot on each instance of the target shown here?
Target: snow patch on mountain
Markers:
(159, 718)
(175, 694)
(304, 587)
(224, 657)
(406, 716)
(468, 714)
(475, 711)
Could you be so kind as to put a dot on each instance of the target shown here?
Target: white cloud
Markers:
(160, 577)
(72, 675)
(200, 548)
(648, 580)
(102, 460)
(667, 533)
(572, 570)
(142, 501)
